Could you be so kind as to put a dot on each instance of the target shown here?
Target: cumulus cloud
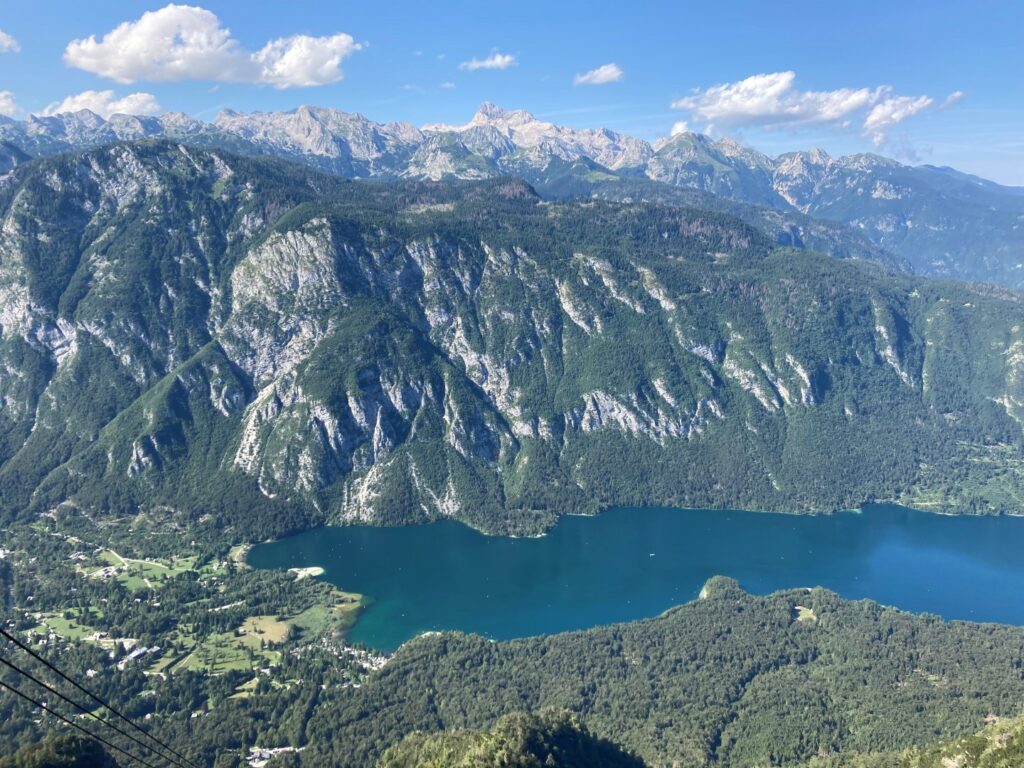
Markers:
(772, 99)
(104, 104)
(182, 42)
(301, 60)
(606, 73)
(494, 61)
(447, 85)
(8, 107)
(8, 44)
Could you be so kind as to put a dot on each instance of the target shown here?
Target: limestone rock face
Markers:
(203, 330)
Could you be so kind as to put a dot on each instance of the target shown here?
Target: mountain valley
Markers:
(219, 334)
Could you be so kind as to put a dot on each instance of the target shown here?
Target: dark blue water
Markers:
(633, 563)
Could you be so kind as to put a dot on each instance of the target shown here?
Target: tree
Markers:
(61, 752)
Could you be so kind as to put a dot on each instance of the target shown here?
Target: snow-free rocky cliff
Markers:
(197, 330)
(934, 221)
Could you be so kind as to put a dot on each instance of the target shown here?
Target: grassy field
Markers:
(341, 615)
(806, 615)
(252, 645)
(69, 629)
(137, 574)
(264, 629)
(245, 690)
(225, 653)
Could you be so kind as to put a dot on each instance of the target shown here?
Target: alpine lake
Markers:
(628, 564)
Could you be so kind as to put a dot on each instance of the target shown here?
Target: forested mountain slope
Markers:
(244, 337)
(553, 738)
(999, 745)
(730, 680)
(733, 680)
(61, 752)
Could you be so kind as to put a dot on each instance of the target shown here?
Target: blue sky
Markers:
(936, 82)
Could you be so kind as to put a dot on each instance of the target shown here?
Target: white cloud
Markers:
(182, 42)
(300, 60)
(177, 42)
(494, 61)
(8, 107)
(104, 104)
(606, 73)
(952, 99)
(679, 126)
(448, 85)
(771, 99)
(889, 112)
(8, 44)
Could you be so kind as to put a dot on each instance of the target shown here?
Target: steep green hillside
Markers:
(519, 740)
(60, 752)
(1000, 745)
(786, 226)
(247, 339)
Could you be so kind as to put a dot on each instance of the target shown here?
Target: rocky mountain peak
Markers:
(797, 165)
(917, 216)
(179, 122)
(819, 156)
(488, 111)
(505, 120)
(71, 124)
(682, 140)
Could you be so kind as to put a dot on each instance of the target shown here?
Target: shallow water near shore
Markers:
(634, 563)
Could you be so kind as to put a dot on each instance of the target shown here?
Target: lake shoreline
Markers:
(448, 576)
(247, 547)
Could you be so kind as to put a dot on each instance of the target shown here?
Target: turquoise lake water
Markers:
(633, 563)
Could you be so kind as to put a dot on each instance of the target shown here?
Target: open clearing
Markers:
(137, 574)
(269, 629)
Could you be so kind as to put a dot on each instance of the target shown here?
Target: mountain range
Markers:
(213, 334)
(930, 220)
(194, 330)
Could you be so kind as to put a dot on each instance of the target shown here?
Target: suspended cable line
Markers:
(95, 698)
(73, 724)
(90, 713)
